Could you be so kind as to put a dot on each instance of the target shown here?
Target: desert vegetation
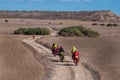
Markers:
(78, 31)
(6, 21)
(103, 24)
(94, 24)
(110, 25)
(30, 31)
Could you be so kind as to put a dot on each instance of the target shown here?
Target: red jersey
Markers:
(76, 53)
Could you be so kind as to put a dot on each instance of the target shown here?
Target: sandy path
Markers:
(62, 70)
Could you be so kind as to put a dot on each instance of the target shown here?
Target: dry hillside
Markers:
(103, 15)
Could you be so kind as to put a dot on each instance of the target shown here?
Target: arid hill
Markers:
(102, 15)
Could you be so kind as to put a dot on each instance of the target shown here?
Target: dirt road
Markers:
(62, 70)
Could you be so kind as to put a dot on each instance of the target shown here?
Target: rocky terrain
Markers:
(103, 15)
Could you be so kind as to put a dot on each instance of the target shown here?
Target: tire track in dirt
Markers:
(62, 70)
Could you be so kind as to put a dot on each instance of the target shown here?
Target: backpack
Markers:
(61, 50)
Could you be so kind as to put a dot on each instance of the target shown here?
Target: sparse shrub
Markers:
(72, 31)
(6, 20)
(94, 24)
(78, 31)
(94, 20)
(112, 25)
(115, 25)
(60, 23)
(30, 31)
(20, 31)
(109, 25)
(102, 24)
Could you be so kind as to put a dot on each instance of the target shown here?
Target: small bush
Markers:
(109, 25)
(20, 31)
(78, 31)
(102, 24)
(60, 23)
(94, 24)
(6, 20)
(30, 31)
(115, 25)
(112, 25)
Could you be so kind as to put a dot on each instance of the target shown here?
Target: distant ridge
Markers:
(102, 15)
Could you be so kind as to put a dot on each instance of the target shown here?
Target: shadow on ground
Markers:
(95, 74)
(67, 64)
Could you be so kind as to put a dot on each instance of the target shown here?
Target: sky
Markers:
(61, 5)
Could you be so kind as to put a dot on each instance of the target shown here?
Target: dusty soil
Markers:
(61, 70)
(37, 22)
(16, 61)
(102, 54)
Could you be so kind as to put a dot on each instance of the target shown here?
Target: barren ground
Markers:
(102, 54)
(61, 70)
(17, 61)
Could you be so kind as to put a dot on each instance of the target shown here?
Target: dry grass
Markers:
(16, 61)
